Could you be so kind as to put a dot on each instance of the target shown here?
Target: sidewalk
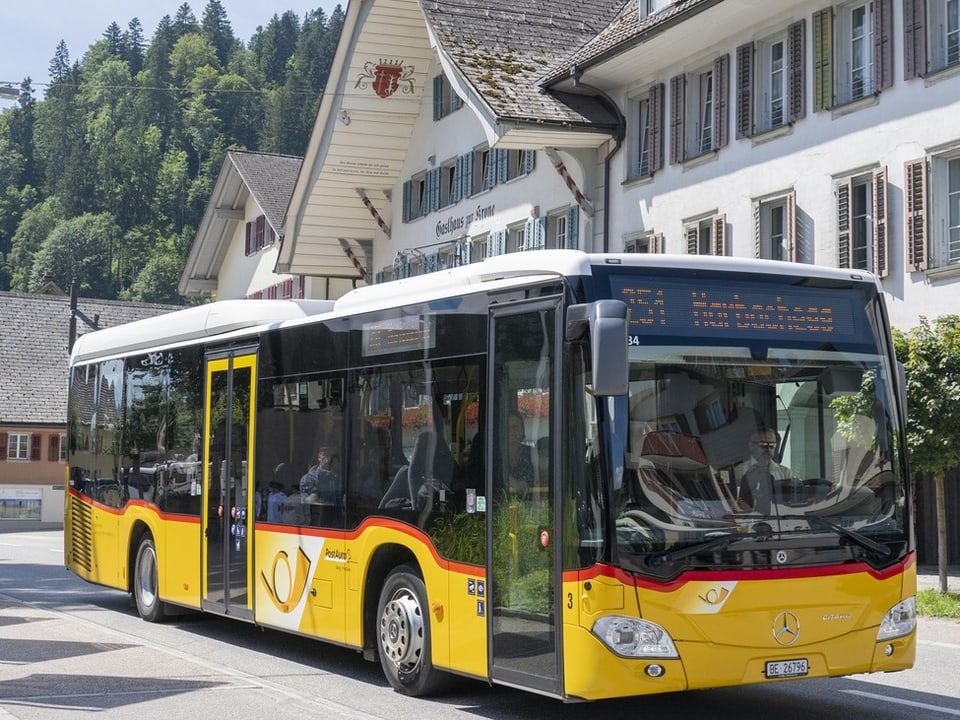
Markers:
(928, 576)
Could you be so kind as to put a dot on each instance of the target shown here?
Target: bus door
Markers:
(229, 505)
(523, 620)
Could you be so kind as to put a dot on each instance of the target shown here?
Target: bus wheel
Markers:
(145, 582)
(403, 629)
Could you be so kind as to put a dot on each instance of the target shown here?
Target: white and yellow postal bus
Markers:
(588, 476)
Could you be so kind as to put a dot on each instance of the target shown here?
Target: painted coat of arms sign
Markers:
(386, 77)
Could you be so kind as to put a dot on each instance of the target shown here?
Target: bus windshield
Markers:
(759, 429)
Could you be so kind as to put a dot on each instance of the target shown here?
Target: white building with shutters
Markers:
(813, 132)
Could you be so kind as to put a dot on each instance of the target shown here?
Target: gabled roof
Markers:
(493, 51)
(34, 339)
(503, 47)
(269, 179)
(625, 30)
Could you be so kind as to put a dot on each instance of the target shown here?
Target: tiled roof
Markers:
(504, 47)
(270, 179)
(624, 30)
(34, 336)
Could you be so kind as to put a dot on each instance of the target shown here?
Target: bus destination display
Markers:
(682, 307)
(403, 334)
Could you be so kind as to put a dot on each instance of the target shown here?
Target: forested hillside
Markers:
(105, 179)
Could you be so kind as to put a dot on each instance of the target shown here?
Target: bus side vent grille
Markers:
(82, 535)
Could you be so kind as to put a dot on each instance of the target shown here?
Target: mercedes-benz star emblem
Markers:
(786, 628)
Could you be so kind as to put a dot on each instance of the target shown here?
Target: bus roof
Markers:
(502, 271)
(193, 323)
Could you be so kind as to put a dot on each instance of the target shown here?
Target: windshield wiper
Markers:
(858, 538)
(715, 543)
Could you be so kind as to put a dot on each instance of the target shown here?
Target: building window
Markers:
(770, 82)
(931, 36)
(853, 57)
(775, 228)
(512, 164)
(698, 111)
(445, 100)
(482, 176)
(706, 235)
(647, 242)
(478, 248)
(449, 187)
(416, 201)
(646, 133)
(933, 211)
(517, 238)
(556, 230)
(18, 446)
(862, 222)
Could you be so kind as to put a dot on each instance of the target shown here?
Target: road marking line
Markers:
(910, 703)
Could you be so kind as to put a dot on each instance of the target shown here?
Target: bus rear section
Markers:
(759, 521)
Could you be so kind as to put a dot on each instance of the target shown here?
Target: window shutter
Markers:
(529, 232)
(467, 177)
(573, 228)
(35, 440)
(914, 38)
(3, 446)
(797, 77)
(822, 59)
(437, 97)
(791, 229)
(457, 189)
(745, 91)
(721, 114)
(248, 239)
(498, 242)
(657, 244)
(407, 195)
(53, 449)
(693, 236)
(261, 222)
(915, 172)
(656, 128)
(466, 252)
(378, 277)
(433, 178)
(720, 235)
(843, 224)
(880, 265)
(529, 161)
(457, 101)
(491, 179)
(757, 232)
(677, 109)
(503, 165)
(882, 44)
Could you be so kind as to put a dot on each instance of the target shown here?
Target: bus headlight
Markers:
(631, 637)
(901, 619)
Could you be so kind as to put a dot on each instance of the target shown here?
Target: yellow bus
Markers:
(588, 476)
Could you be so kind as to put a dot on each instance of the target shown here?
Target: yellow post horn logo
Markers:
(297, 580)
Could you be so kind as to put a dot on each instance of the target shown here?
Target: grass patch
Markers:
(931, 603)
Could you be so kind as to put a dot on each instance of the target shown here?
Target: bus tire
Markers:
(146, 582)
(403, 635)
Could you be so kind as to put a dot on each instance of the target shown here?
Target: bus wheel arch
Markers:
(145, 579)
(404, 634)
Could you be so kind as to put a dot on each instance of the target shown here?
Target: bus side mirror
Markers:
(607, 321)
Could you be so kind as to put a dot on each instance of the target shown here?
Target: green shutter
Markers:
(573, 228)
(823, 59)
(437, 97)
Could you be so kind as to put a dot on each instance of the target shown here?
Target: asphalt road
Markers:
(69, 649)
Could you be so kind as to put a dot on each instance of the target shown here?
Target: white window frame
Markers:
(516, 237)
(861, 223)
(556, 230)
(479, 248)
(854, 52)
(775, 232)
(481, 163)
(640, 127)
(18, 447)
(447, 177)
(643, 242)
(944, 214)
(943, 33)
(700, 103)
(62, 454)
(772, 83)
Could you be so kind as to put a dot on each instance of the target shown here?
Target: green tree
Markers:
(35, 225)
(930, 353)
(216, 28)
(81, 249)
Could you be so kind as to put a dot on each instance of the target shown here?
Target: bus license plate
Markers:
(787, 668)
